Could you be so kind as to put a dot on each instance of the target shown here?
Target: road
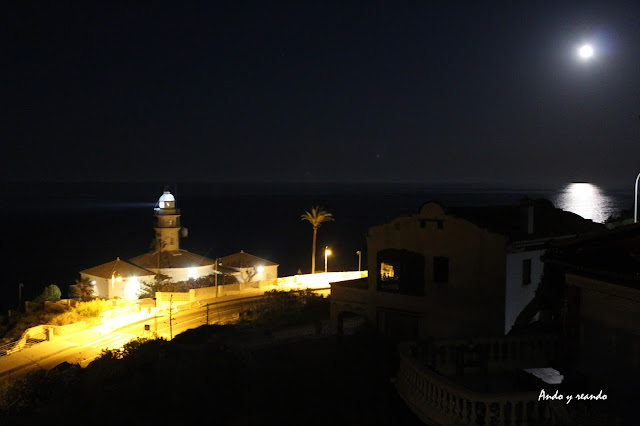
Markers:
(84, 347)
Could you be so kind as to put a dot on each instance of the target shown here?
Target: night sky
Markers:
(321, 91)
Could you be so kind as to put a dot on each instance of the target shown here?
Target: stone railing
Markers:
(31, 336)
(437, 400)
(489, 353)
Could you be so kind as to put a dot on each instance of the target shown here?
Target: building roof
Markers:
(117, 267)
(171, 259)
(512, 221)
(610, 254)
(244, 260)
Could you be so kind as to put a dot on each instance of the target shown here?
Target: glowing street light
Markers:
(113, 283)
(327, 252)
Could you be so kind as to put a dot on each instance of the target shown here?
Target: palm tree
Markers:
(315, 217)
(82, 289)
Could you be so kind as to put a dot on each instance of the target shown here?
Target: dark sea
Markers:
(53, 231)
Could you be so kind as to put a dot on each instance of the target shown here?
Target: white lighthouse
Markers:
(122, 278)
(167, 223)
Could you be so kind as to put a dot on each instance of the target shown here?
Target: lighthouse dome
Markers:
(167, 201)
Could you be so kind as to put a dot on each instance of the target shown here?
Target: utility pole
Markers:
(155, 315)
(359, 253)
(206, 329)
(215, 277)
(171, 317)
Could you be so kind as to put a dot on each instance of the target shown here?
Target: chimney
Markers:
(527, 210)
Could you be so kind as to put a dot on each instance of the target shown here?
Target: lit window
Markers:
(386, 272)
(401, 271)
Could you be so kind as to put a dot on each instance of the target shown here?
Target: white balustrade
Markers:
(426, 391)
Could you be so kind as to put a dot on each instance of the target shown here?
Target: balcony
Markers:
(475, 381)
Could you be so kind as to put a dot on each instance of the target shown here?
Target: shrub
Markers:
(50, 293)
(288, 307)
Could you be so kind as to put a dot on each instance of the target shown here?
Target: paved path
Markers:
(81, 347)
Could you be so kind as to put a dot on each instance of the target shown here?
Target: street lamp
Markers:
(327, 252)
(114, 278)
(359, 253)
(635, 200)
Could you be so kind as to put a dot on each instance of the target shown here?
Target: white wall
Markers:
(101, 288)
(268, 273)
(517, 295)
(183, 274)
(127, 288)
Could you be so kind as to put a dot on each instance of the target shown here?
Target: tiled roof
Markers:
(244, 260)
(117, 267)
(171, 259)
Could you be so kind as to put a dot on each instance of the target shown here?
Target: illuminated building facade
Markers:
(122, 279)
(454, 273)
(245, 267)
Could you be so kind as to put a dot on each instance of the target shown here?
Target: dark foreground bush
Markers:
(149, 380)
(288, 307)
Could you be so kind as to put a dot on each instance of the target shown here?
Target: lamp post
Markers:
(359, 253)
(327, 252)
(635, 201)
(215, 269)
(155, 315)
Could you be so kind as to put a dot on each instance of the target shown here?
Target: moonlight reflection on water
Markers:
(586, 200)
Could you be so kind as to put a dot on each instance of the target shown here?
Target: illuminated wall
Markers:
(448, 277)
(183, 274)
(520, 290)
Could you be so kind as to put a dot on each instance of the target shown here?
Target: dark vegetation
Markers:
(151, 380)
(625, 217)
(211, 374)
(201, 375)
(51, 293)
(82, 290)
(164, 283)
(12, 327)
(280, 308)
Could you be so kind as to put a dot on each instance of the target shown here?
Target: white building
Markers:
(246, 267)
(117, 279)
(122, 279)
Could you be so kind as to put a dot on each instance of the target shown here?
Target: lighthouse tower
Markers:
(167, 223)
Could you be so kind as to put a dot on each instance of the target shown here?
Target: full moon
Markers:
(585, 51)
